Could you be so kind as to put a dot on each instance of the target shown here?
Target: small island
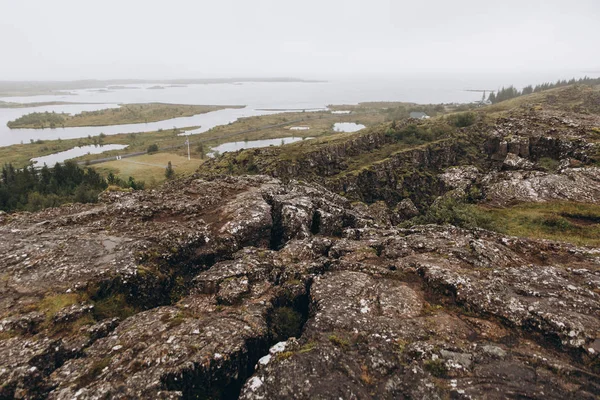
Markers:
(126, 114)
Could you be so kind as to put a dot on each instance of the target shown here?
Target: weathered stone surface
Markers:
(574, 184)
(225, 287)
(375, 333)
(514, 162)
(406, 210)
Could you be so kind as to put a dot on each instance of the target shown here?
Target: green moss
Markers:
(549, 164)
(436, 368)
(310, 346)
(52, 304)
(115, 305)
(284, 355)
(93, 372)
(339, 342)
(285, 323)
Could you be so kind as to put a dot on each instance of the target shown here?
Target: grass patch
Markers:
(51, 305)
(308, 347)
(149, 168)
(572, 222)
(339, 342)
(113, 306)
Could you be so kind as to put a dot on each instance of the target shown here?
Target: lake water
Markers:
(61, 157)
(259, 97)
(250, 144)
(347, 127)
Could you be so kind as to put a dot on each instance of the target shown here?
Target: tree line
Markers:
(39, 120)
(511, 92)
(31, 189)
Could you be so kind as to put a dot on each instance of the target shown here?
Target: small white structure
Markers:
(299, 128)
(341, 112)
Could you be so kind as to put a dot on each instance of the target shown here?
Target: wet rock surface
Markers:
(244, 286)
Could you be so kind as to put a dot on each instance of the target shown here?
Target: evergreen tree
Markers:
(169, 172)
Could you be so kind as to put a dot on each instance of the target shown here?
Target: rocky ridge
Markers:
(249, 287)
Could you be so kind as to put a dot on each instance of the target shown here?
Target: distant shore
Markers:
(33, 88)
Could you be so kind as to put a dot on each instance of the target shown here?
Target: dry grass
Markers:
(149, 168)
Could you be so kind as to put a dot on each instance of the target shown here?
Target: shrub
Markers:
(454, 212)
(462, 120)
(285, 323)
(153, 148)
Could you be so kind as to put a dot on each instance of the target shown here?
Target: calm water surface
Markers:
(63, 156)
(250, 144)
(347, 127)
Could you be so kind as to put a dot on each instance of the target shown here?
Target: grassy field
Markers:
(149, 168)
(126, 114)
(577, 223)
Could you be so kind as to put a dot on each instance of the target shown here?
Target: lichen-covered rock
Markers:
(246, 287)
(514, 162)
(574, 184)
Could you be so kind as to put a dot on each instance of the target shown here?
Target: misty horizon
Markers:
(69, 40)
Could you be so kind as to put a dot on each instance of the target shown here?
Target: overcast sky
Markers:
(75, 39)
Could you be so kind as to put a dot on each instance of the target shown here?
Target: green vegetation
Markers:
(113, 306)
(455, 212)
(507, 93)
(285, 323)
(51, 305)
(39, 120)
(153, 148)
(29, 189)
(462, 120)
(548, 163)
(125, 114)
(572, 222)
(339, 342)
(436, 368)
(415, 135)
(148, 168)
(169, 172)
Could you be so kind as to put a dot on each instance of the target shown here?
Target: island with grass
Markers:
(125, 114)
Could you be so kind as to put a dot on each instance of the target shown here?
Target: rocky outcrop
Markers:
(249, 287)
(573, 184)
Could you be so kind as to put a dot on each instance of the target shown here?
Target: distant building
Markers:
(418, 115)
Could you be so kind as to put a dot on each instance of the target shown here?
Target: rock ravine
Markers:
(246, 287)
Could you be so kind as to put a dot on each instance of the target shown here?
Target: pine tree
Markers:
(169, 172)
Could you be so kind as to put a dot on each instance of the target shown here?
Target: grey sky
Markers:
(74, 39)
